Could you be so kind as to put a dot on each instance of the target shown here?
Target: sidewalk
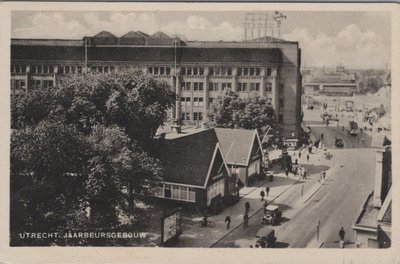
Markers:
(196, 236)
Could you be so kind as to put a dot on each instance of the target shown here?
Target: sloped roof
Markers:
(236, 144)
(104, 34)
(133, 34)
(160, 35)
(187, 159)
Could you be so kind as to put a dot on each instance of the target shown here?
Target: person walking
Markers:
(299, 154)
(296, 162)
(308, 157)
(324, 175)
(228, 221)
(267, 190)
(245, 220)
(247, 206)
(342, 233)
(304, 174)
(262, 194)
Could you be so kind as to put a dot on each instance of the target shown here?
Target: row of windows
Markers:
(176, 192)
(197, 101)
(213, 71)
(197, 86)
(33, 84)
(192, 70)
(197, 116)
(245, 87)
(160, 70)
(214, 86)
(47, 69)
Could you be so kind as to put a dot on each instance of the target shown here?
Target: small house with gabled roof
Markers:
(195, 170)
(242, 151)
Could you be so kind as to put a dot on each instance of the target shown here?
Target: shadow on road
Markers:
(313, 169)
(281, 245)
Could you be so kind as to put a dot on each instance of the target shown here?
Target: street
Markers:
(335, 204)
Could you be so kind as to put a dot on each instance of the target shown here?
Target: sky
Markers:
(354, 38)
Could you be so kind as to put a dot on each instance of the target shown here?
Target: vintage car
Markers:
(265, 238)
(272, 215)
(339, 142)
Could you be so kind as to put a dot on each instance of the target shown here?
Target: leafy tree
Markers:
(255, 112)
(79, 153)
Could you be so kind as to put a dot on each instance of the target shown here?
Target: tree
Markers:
(255, 112)
(79, 153)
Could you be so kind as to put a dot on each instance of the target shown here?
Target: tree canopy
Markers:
(80, 153)
(254, 112)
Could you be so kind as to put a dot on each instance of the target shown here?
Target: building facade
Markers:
(197, 71)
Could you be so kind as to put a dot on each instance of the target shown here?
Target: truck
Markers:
(353, 128)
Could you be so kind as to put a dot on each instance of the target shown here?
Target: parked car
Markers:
(266, 238)
(339, 142)
(272, 215)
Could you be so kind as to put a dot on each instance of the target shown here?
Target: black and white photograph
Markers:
(268, 128)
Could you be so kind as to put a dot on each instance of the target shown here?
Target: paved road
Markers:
(336, 204)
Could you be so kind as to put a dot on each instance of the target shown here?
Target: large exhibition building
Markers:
(198, 71)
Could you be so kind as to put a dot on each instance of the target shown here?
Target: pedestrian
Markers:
(308, 157)
(324, 175)
(322, 136)
(262, 194)
(304, 174)
(342, 233)
(247, 206)
(295, 162)
(227, 221)
(299, 154)
(245, 220)
(267, 190)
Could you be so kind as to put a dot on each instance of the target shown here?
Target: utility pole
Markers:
(318, 231)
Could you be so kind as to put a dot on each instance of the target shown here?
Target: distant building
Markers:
(198, 71)
(339, 83)
(373, 226)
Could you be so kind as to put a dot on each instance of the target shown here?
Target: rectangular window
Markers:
(195, 86)
(257, 87)
(201, 101)
(268, 87)
(67, 69)
(252, 86)
(155, 70)
(200, 116)
(23, 68)
(183, 101)
(229, 71)
(244, 89)
(240, 87)
(211, 71)
(162, 69)
(184, 193)
(79, 69)
(217, 71)
(188, 101)
(223, 71)
(183, 70)
(175, 192)
(168, 71)
(258, 71)
(192, 194)
(167, 190)
(195, 101)
(195, 116)
(23, 85)
(201, 71)
(51, 84)
(150, 70)
(201, 86)
(251, 71)
(189, 70)
(195, 71)
(188, 86)
(45, 69)
(245, 71)
(17, 68)
(239, 71)
(39, 69)
(269, 71)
